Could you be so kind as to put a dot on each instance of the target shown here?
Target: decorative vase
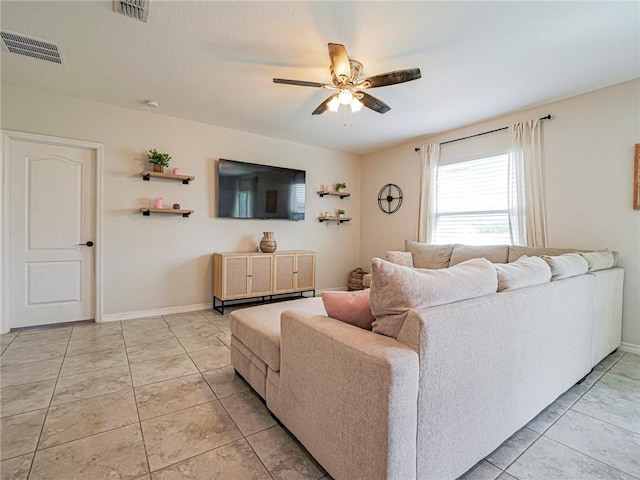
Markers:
(158, 168)
(268, 243)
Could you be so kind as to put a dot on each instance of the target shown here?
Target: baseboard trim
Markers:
(630, 348)
(115, 317)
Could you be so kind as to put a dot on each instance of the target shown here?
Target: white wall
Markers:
(165, 261)
(588, 155)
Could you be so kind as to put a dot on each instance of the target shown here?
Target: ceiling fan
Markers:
(345, 75)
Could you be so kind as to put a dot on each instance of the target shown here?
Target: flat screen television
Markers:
(249, 190)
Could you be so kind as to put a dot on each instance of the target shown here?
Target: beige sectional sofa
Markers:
(458, 380)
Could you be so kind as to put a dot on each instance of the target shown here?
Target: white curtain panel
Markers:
(526, 187)
(428, 191)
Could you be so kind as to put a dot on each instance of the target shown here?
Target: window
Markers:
(472, 203)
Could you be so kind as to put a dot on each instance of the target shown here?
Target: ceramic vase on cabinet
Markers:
(268, 243)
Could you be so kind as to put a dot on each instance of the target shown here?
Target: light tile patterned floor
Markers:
(157, 399)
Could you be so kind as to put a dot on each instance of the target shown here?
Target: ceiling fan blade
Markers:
(302, 83)
(324, 106)
(390, 78)
(373, 103)
(340, 67)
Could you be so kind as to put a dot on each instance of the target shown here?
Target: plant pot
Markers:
(158, 168)
(268, 243)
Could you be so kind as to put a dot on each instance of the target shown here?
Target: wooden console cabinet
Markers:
(238, 276)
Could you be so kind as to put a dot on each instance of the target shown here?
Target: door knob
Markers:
(88, 244)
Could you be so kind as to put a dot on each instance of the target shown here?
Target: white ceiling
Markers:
(214, 62)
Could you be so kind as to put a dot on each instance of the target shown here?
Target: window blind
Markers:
(472, 202)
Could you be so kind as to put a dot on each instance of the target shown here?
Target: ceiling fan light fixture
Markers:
(345, 97)
(334, 104)
(356, 105)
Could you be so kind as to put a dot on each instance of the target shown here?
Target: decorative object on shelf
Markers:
(327, 188)
(340, 187)
(185, 179)
(268, 243)
(176, 206)
(390, 198)
(342, 195)
(158, 202)
(175, 171)
(636, 179)
(148, 211)
(341, 213)
(158, 160)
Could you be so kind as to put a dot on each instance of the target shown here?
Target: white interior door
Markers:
(51, 218)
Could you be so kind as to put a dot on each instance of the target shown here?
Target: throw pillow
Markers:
(395, 289)
(399, 258)
(350, 307)
(524, 272)
(566, 265)
(599, 260)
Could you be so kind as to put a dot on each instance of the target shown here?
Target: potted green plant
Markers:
(158, 160)
(340, 186)
(341, 213)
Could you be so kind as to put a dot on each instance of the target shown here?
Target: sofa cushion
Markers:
(428, 256)
(493, 253)
(566, 265)
(600, 260)
(524, 272)
(399, 258)
(258, 328)
(395, 290)
(517, 251)
(350, 307)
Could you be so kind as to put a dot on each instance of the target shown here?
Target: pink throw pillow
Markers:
(350, 307)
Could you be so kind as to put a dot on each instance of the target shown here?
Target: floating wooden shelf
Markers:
(146, 175)
(175, 211)
(322, 193)
(334, 219)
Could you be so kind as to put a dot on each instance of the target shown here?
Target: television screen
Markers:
(249, 190)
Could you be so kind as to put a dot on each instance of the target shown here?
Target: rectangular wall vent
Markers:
(31, 47)
(138, 9)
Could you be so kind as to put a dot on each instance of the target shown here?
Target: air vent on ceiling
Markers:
(138, 9)
(31, 47)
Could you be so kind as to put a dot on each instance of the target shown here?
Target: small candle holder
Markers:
(176, 206)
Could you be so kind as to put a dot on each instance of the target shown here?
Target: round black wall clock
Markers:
(390, 198)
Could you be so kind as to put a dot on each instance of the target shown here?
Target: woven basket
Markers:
(355, 279)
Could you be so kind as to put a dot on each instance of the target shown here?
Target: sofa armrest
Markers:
(349, 395)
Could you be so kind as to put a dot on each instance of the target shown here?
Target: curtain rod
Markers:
(417, 149)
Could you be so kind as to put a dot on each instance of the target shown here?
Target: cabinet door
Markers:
(261, 277)
(235, 277)
(283, 275)
(306, 271)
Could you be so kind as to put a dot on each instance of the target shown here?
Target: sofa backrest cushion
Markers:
(493, 253)
(350, 307)
(600, 260)
(566, 265)
(517, 251)
(524, 272)
(395, 290)
(399, 258)
(429, 256)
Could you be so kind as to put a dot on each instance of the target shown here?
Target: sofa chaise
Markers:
(447, 386)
